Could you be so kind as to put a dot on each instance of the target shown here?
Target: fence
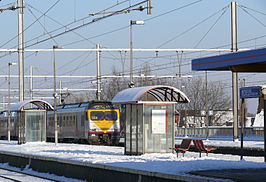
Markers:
(250, 132)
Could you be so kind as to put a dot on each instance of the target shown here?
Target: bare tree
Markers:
(195, 90)
(113, 86)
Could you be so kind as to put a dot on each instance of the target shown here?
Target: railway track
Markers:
(9, 175)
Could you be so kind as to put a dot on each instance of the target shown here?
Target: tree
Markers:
(195, 90)
(113, 86)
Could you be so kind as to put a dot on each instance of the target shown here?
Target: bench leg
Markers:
(183, 154)
(177, 154)
(200, 154)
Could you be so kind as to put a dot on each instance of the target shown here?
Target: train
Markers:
(93, 122)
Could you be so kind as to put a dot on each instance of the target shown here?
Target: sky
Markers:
(172, 24)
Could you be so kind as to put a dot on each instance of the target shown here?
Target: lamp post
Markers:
(8, 127)
(131, 84)
(264, 103)
(55, 95)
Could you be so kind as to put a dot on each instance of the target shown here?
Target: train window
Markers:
(97, 115)
(110, 115)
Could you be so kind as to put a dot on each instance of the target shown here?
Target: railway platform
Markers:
(104, 163)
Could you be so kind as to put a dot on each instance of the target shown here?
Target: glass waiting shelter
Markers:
(150, 116)
(31, 120)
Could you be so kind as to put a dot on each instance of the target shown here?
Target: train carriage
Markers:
(95, 122)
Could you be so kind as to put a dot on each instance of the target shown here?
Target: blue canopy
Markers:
(242, 61)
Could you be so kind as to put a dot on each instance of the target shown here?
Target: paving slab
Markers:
(256, 175)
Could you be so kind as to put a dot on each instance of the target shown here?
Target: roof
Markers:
(243, 61)
(150, 93)
(41, 104)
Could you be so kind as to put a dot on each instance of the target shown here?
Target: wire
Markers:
(211, 27)
(125, 27)
(251, 9)
(31, 23)
(187, 5)
(83, 25)
(252, 16)
(84, 38)
(191, 28)
(42, 25)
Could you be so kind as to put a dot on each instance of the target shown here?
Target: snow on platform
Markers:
(166, 163)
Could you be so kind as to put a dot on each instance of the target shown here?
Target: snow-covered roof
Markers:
(41, 104)
(158, 92)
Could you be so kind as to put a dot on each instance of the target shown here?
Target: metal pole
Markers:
(98, 95)
(131, 57)
(31, 84)
(242, 126)
(8, 132)
(4, 103)
(55, 95)
(20, 50)
(179, 59)
(234, 74)
(60, 92)
(206, 106)
(264, 127)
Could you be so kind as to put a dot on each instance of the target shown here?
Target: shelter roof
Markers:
(41, 104)
(150, 93)
(243, 61)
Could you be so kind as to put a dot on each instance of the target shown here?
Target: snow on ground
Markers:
(156, 162)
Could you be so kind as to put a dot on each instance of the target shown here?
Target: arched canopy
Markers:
(151, 93)
(41, 104)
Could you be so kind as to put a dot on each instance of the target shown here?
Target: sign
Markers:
(249, 92)
(158, 121)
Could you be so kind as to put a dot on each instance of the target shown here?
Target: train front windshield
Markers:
(97, 115)
(107, 115)
(110, 115)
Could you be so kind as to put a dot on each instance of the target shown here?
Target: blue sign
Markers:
(249, 92)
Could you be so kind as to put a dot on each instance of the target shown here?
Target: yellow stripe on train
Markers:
(98, 117)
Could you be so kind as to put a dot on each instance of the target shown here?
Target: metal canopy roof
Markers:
(150, 93)
(41, 104)
(244, 61)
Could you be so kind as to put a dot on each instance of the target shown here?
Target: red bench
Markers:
(199, 146)
(185, 144)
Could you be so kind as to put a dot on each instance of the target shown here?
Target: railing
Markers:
(256, 133)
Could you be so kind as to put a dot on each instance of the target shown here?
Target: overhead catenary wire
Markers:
(50, 8)
(83, 25)
(191, 28)
(125, 27)
(212, 26)
(252, 16)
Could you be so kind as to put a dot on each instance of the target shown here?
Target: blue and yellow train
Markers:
(95, 122)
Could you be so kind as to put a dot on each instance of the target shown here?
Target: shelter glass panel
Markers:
(158, 126)
(127, 129)
(35, 126)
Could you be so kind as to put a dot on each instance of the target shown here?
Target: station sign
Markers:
(250, 92)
